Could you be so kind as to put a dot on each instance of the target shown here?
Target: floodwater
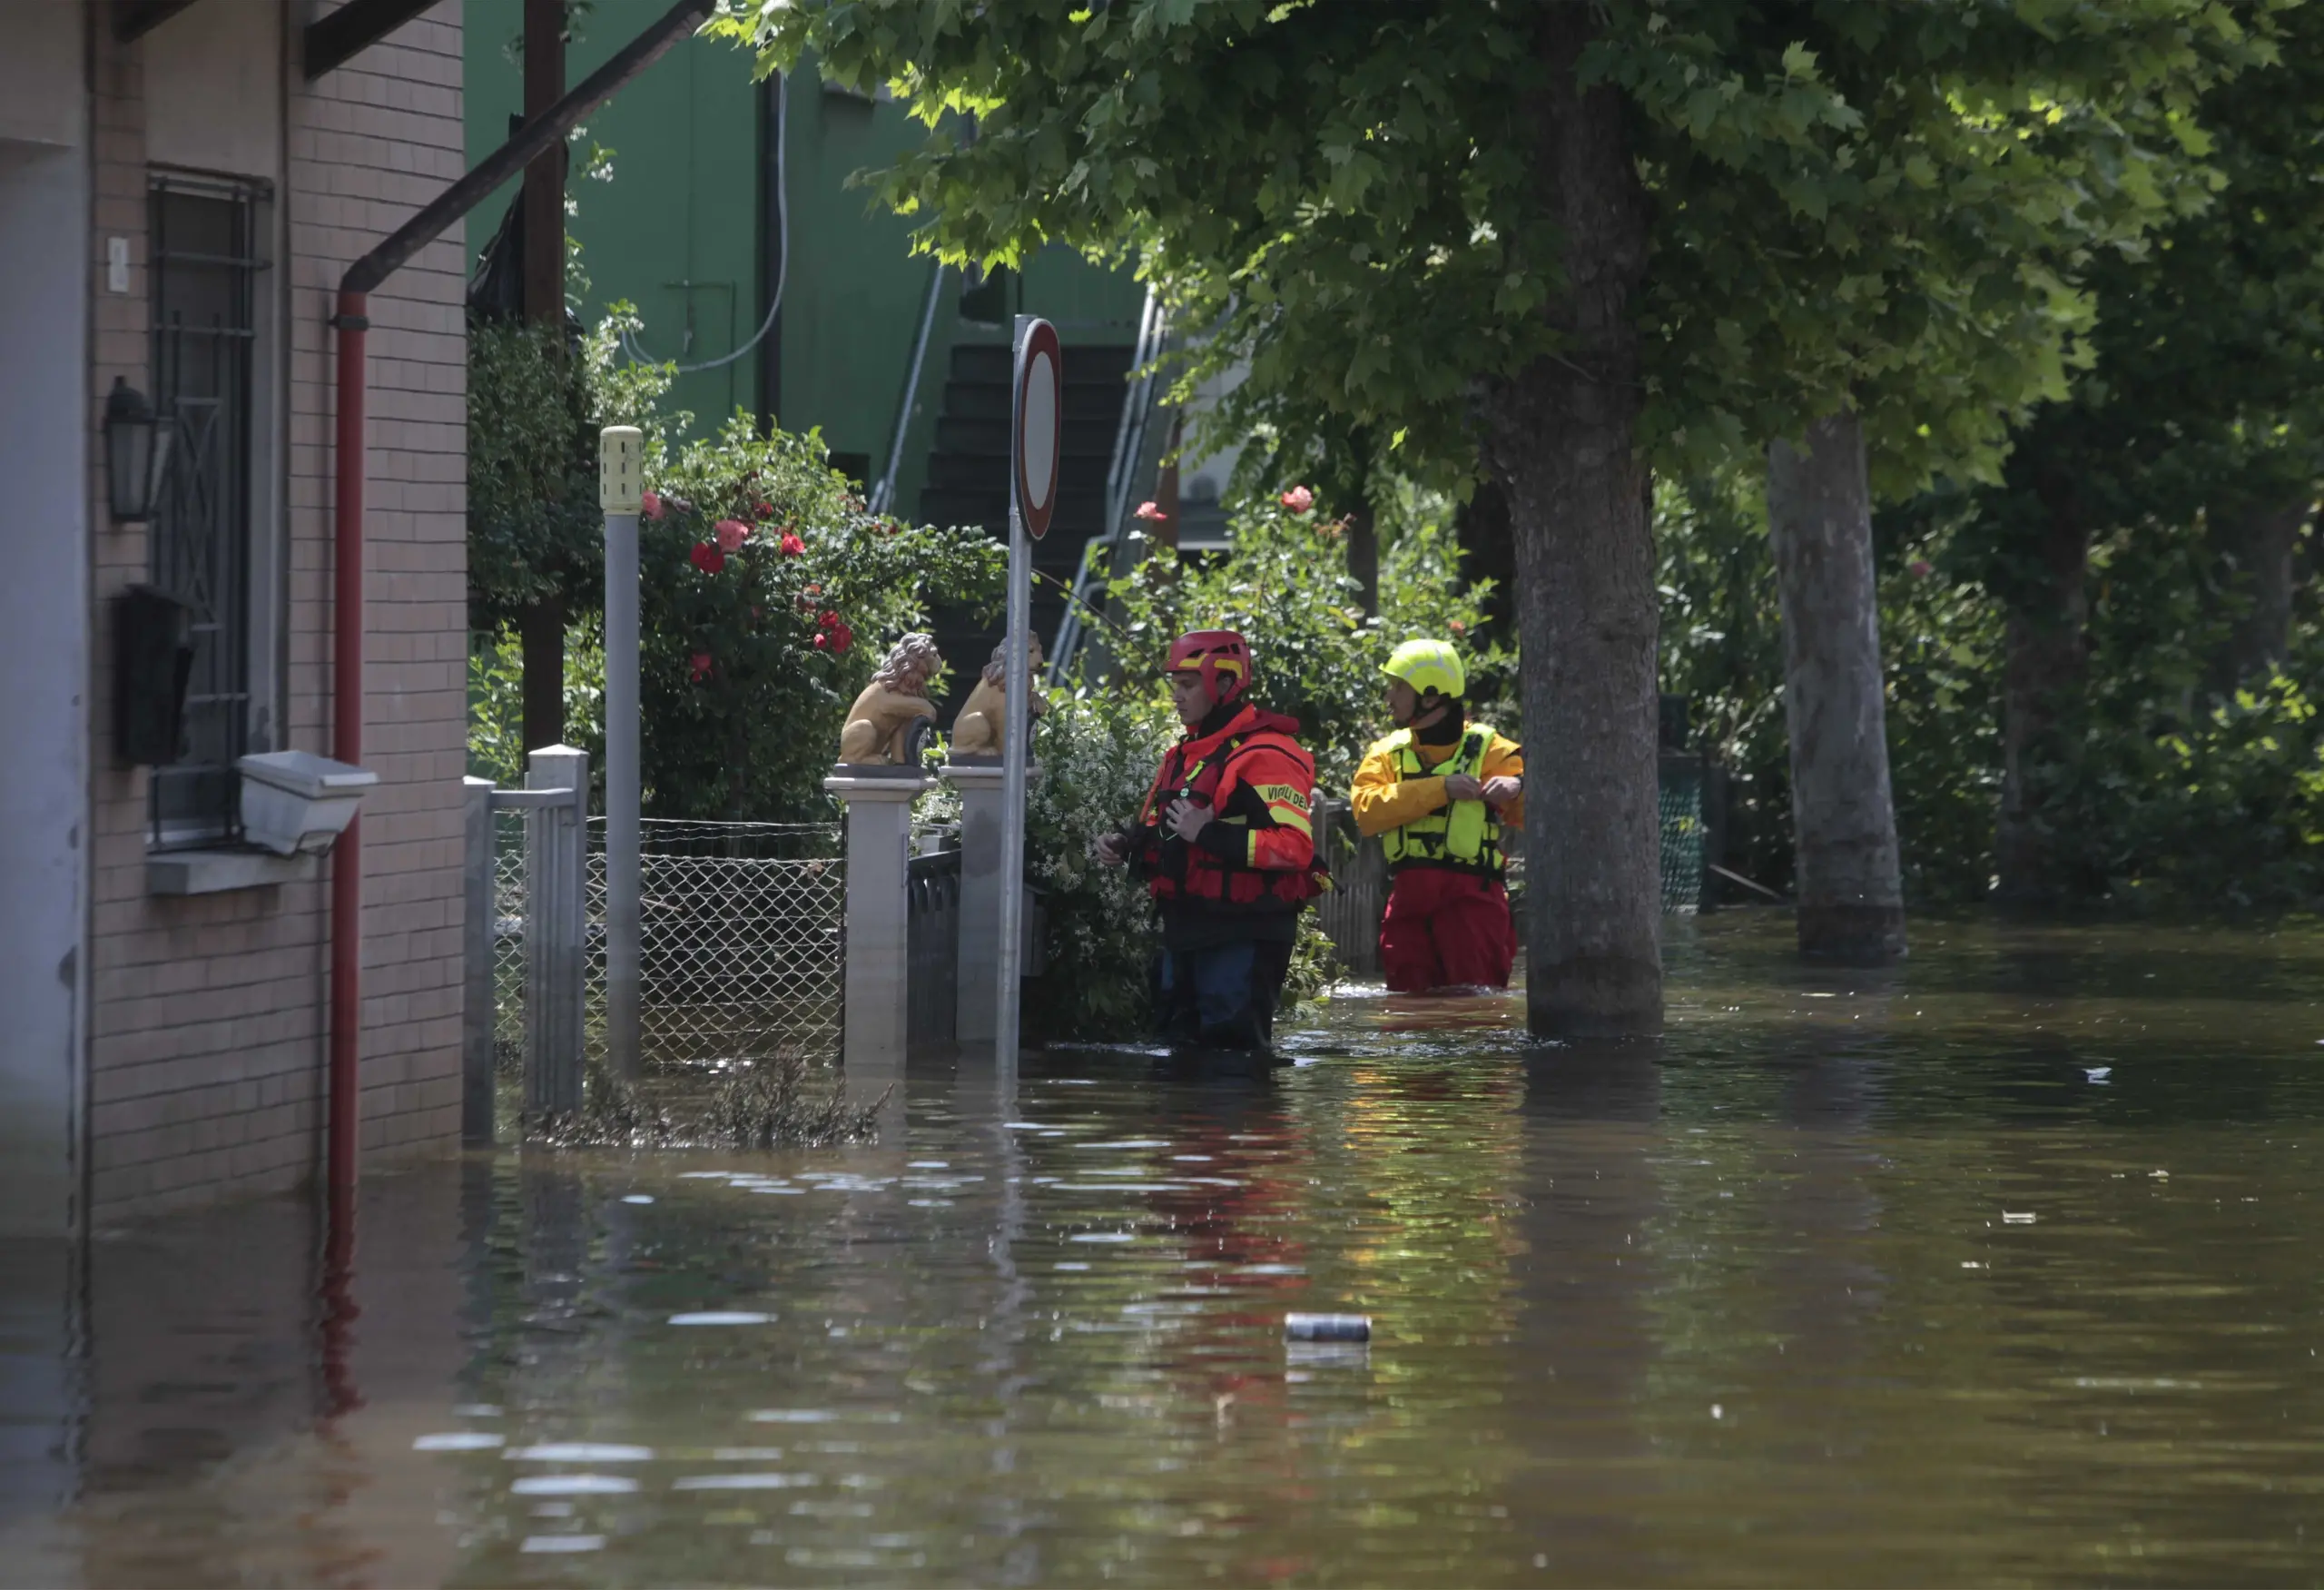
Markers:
(2000, 1266)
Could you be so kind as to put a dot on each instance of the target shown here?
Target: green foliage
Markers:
(1890, 202)
(760, 570)
(1098, 749)
(1314, 655)
(535, 530)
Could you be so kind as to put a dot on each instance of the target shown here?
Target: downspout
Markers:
(341, 1137)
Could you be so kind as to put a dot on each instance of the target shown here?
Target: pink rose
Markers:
(1921, 567)
(650, 504)
(731, 533)
(1299, 499)
(1151, 512)
(699, 665)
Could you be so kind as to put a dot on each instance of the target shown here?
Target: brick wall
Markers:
(208, 1013)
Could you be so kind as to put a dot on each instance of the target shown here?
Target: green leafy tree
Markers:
(1509, 233)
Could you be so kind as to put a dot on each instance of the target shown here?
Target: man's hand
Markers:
(1461, 787)
(1501, 791)
(1111, 851)
(1187, 818)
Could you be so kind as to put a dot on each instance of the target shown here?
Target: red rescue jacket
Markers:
(1259, 850)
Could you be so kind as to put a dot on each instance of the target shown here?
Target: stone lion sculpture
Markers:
(880, 723)
(984, 716)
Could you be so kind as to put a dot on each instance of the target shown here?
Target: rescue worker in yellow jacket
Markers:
(1439, 791)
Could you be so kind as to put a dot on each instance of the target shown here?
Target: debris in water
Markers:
(637, 1198)
(759, 1105)
(564, 1543)
(719, 1316)
(2098, 1073)
(1327, 1326)
(2159, 1175)
(2010, 1217)
(457, 1441)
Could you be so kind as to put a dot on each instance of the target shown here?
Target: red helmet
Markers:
(1221, 656)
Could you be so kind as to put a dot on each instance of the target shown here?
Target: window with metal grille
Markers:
(205, 257)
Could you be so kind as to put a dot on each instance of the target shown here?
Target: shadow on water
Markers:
(1995, 1266)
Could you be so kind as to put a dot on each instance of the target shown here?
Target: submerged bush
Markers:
(762, 1105)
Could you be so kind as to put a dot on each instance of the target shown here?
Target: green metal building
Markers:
(726, 191)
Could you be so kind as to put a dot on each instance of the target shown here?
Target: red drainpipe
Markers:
(342, 1133)
(347, 745)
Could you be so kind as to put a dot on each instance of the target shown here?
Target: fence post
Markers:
(557, 941)
(618, 486)
(879, 919)
(976, 1015)
(477, 1013)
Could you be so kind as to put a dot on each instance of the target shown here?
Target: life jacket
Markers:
(1204, 770)
(1460, 835)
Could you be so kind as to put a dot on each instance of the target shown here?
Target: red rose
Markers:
(1921, 567)
(731, 533)
(708, 557)
(700, 668)
(829, 620)
(1458, 628)
(822, 642)
(649, 503)
(791, 545)
(765, 511)
(842, 637)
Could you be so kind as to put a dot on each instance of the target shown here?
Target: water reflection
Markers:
(1849, 1279)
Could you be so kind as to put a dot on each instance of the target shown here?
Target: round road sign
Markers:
(1039, 430)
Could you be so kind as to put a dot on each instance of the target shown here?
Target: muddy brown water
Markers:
(1999, 1267)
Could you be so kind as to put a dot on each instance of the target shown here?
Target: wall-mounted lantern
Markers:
(137, 454)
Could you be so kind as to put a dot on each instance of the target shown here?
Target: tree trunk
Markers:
(2260, 538)
(1489, 552)
(541, 632)
(1364, 554)
(1560, 436)
(1844, 819)
(544, 190)
(2045, 658)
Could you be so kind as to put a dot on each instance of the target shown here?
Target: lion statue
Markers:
(878, 732)
(984, 716)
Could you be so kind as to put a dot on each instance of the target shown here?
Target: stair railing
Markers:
(883, 495)
(1129, 447)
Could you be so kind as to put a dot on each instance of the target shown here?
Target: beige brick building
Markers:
(178, 199)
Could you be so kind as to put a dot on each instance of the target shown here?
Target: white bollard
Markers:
(879, 874)
(619, 484)
(556, 930)
(476, 1014)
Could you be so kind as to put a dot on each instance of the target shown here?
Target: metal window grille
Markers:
(205, 265)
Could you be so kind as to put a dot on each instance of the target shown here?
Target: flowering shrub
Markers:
(759, 567)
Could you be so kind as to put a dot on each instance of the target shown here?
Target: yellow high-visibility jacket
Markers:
(1385, 799)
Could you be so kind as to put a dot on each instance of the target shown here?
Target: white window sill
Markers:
(214, 872)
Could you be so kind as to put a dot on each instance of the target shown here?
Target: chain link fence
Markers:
(743, 928)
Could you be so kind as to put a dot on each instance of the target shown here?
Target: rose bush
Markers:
(760, 570)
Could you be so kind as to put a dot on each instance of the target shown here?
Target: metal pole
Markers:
(1015, 744)
(619, 485)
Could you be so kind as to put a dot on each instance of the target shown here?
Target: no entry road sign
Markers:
(1036, 440)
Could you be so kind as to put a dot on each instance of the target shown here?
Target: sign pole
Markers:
(1036, 387)
(619, 483)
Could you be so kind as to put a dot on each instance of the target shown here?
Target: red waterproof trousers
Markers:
(1445, 929)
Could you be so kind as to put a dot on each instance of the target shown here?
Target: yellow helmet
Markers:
(1428, 665)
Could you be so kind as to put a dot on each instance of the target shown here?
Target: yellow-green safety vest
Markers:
(1465, 834)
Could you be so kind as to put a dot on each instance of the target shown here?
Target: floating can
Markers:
(1327, 1328)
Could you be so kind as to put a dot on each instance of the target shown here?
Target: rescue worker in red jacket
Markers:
(1438, 793)
(1225, 842)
